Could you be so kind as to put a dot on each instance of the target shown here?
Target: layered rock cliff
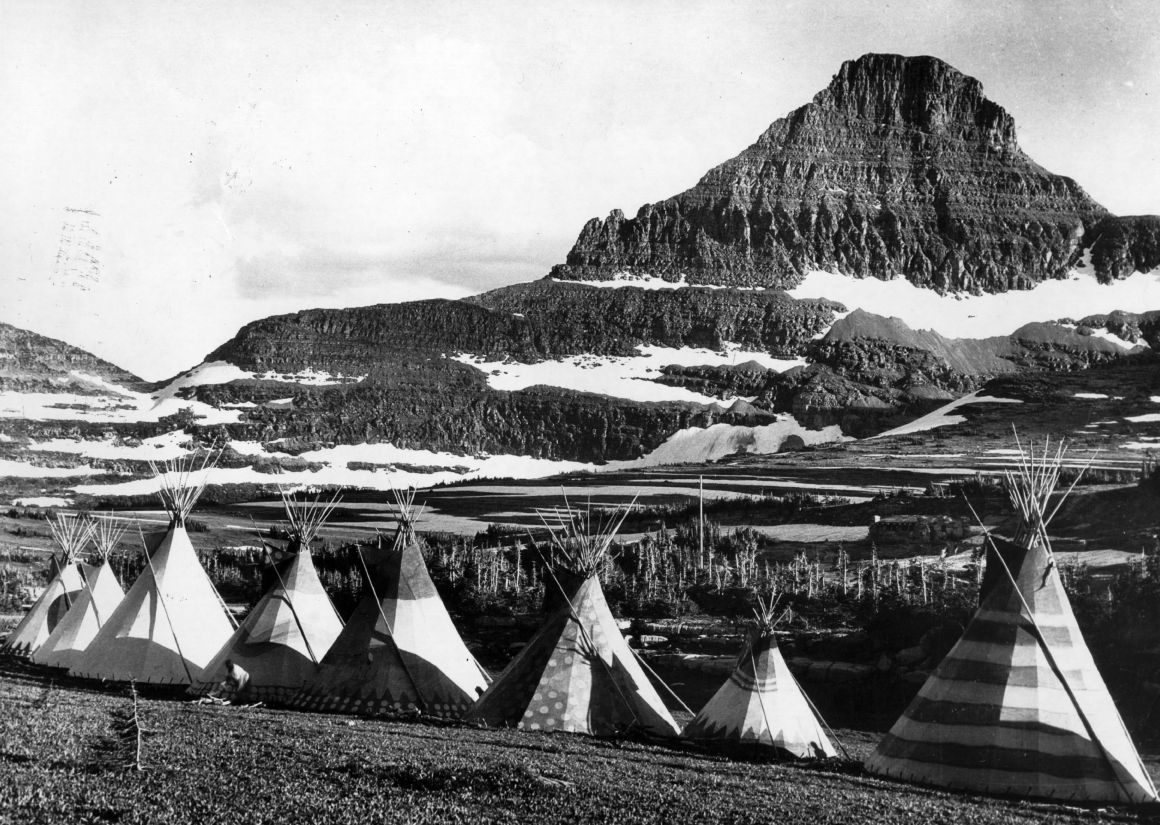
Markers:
(30, 363)
(901, 167)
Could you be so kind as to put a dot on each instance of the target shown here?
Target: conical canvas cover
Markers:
(763, 704)
(577, 674)
(1014, 709)
(401, 653)
(47, 611)
(93, 606)
(283, 638)
(169, 625)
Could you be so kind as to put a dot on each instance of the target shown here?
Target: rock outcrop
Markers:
(36, 363)
(901, 167)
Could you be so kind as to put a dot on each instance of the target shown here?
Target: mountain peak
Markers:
(921, 92)
(900, 167)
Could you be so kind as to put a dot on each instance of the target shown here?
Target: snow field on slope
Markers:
(983, 316)
(942, 417)
(627, 377)
(694, 444)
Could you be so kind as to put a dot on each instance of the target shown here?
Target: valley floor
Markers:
(213, 764)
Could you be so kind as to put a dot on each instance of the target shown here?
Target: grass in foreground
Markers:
(59, 762)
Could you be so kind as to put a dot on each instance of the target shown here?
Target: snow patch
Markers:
(942, 417)
(19, 469)
(159, 448)
(1089, 395)
(647, 280)
(981, 316)
(629, 377)
(1146, 418)
(41, 501)
(698, 445)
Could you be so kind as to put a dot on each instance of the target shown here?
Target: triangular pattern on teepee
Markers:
(1018, 707)
(761, 703)
(399, 650)
(64, 588)
(284, 638)
(577, 674)
(172, 621)
(95, 604)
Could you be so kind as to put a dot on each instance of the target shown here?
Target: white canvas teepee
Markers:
(70, 534)
(96, 603)
(171, 622)
(761, 703)
(399, 650)
(293, 625)
(1017, 707)
(577, 674)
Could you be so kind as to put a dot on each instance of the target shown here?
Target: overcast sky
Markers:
(244, 159)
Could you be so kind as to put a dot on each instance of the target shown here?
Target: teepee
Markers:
(399, 650)
(172, 621)
(293, 625)
(71, 534)
(762, 703)
(95, 604)
(577, 674)
(1017, 707)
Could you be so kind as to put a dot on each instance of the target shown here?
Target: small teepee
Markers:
(71, 534)
(95, 604)
(399, 651)
(172, 621)
(762, 703)
(1017, 707)
(577, 674)
(293, 625)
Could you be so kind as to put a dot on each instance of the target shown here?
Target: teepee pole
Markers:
(661, 681)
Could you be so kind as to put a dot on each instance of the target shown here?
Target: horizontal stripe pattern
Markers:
(1080, 764)
(996, 673)
(1012, 707)
(1045, 738)
(989, 781)
(957, 713)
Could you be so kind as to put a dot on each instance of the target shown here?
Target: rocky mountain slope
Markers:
(32, 363)
(900, 168)
(699, 328)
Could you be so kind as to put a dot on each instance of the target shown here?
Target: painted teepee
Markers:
(1017, 707)
(172, 621)
(70, 534)
(762, 703)
(293, 625)
(399, 651)
(577, 674)
(95, 604)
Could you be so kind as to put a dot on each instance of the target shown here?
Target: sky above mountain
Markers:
(172, 171)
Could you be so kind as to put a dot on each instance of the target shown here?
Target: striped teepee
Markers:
(1017, 707)
(70, 534)
(95, 604)
(577, 674)
(399, 651)
(172, 621)
(761, 703)
(293, 625)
